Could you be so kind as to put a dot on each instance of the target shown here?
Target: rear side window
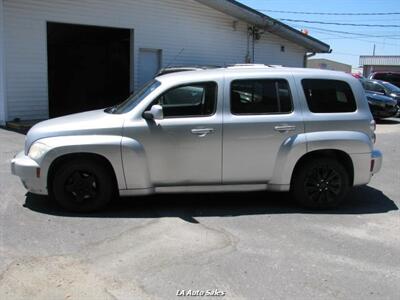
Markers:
(328, 96)
(264, 96)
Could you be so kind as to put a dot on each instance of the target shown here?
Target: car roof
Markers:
(248, 69)
(385, 72)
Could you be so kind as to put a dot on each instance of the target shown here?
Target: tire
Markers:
(83, 185)
(320, 183)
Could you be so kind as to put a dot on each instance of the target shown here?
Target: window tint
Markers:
(263, 96)
(189, 100)
(328, 96)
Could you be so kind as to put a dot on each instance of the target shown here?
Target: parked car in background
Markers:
(384, 88)
(382, 106)
(380, 103)
(236, 128)
(392, 77)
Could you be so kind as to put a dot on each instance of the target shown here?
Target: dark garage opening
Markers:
(88, 67)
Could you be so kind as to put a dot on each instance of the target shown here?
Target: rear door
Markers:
(260, 115)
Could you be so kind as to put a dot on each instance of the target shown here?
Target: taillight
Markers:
(372, 127)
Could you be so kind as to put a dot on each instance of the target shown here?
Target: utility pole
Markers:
(373, 51)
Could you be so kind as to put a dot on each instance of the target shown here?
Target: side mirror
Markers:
(155, 113)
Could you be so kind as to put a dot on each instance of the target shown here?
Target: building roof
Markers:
(380, 60)
(254, 17)
(328, 61)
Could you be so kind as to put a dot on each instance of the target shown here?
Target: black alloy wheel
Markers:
(83, 185)
(323, 184)
(320, 183)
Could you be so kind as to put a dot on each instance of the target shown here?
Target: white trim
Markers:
(3, 99)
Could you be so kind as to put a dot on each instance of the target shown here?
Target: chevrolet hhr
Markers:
(237, 128)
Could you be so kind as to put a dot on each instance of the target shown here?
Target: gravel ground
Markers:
(244, 245)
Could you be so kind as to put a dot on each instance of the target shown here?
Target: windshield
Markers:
(134, 99)
(389, 77)
(391, 87)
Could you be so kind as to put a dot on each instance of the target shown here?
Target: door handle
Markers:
(285, 128)
(201, 132)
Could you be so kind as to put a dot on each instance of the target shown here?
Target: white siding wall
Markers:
(268, 50)
(206, 35)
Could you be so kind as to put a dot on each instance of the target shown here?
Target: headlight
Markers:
(37, 150)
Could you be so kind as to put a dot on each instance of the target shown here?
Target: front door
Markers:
(184, 148)
(259, 120)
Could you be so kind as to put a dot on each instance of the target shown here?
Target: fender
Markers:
(107, 146)
(293, 148)
(350, 142)
(135, 164)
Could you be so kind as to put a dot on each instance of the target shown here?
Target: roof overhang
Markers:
(380, 60)
(254, 17)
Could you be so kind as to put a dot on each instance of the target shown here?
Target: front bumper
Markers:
(376, 161)
(28, 171)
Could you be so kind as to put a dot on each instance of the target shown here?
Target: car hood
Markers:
(93, 122)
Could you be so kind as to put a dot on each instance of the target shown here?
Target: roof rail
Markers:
(175, 69)
(253, 66)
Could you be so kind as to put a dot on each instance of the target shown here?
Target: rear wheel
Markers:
(320, 183)
(83, 185)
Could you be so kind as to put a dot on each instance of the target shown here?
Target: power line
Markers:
(341, 24)
(331, 14)
(348, 32)
(336, 34)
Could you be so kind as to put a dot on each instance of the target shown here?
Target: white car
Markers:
(235, 128)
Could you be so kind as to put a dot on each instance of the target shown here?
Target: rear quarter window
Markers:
(328, 96)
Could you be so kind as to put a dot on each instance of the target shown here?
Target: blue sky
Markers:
(346, 48)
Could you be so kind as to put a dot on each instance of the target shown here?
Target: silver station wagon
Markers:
(238, 128)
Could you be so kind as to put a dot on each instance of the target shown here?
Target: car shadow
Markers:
(361, 200)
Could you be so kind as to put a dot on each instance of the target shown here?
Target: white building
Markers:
(59, 56)
(327, 64)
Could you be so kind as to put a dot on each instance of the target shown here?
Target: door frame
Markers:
(46, 42)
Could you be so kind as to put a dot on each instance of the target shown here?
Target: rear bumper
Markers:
(376, 161)
(28, 171)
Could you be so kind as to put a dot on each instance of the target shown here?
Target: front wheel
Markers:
(83, 185)
(320, 183)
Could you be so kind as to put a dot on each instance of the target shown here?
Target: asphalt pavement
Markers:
(231, 245)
